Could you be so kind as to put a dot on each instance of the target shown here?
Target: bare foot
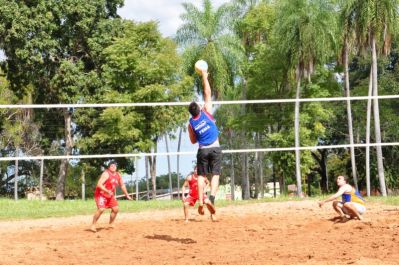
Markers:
(213, 217)
(186, 221)
(93, 228)
(111, 226)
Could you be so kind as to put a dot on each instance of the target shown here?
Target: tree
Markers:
(375, 21)
(347, 24)
(46, 45)
(305, 29)
(207, 34)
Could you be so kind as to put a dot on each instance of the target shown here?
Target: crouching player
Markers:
(352, 204)
(192, 197)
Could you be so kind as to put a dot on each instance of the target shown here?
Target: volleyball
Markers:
(200, 66)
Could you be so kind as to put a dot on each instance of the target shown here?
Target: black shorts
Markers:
(209, 160)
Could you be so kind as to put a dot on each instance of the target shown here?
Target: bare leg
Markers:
(338, 208)
(112, 217)
(96, 216)
(214, 188)
(352, 211)
(185, 208)
(201, 184)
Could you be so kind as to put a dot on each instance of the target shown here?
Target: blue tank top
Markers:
(205, 128)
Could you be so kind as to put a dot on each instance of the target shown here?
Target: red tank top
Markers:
(193, 184)
(110, 184)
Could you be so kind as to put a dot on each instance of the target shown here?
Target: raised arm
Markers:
(207, 92)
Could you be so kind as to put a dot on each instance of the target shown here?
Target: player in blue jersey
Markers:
(203, 130)
(352, 204)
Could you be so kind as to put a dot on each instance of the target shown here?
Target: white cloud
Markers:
(166, 12)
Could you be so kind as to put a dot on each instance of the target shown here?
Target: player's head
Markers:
(342, 180)
(194, 109)
(112, 165)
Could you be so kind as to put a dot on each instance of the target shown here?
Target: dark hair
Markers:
(345, 178)
(112, 162)
(194, 109)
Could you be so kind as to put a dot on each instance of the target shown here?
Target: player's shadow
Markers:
(190, 220)
(98, 229)
(170, 238)
(339, 220)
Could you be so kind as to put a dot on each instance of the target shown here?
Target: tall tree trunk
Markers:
(245, 178)
(83, 183)
(244, 169)
(377, 128)
(153, 169)
(41, 179)
(169, 168)
(178, 162)
(368, 134)
(322, 161)
(147, 184)
(349, 113)
(260, 165)
(274, 182)
(297, 140)
(16, 175)
(137, 178)
(232, 177)
(60, 193)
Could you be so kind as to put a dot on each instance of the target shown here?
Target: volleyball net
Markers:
(256, 128)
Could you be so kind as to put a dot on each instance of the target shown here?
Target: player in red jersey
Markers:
(192, 197)
(104, 194)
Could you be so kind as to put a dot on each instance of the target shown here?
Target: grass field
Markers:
(23, 209)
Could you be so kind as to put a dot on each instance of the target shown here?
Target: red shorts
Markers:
(193, 200)
(104, 202)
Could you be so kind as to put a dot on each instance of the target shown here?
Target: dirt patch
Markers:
(266, 233)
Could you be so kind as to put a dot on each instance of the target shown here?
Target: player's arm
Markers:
(191, 133)
(101, 181)
(124, 190)
(207, 92)
(339, 193)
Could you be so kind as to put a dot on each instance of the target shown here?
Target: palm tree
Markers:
(207, 34)
(305, 29)
(375, 22)
(347, 22)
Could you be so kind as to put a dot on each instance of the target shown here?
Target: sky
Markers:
(167, 14)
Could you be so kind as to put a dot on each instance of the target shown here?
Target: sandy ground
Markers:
(266, 233)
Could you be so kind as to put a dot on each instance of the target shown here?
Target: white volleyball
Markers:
(201, 66)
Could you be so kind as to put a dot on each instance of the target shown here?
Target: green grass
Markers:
(24, 209)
